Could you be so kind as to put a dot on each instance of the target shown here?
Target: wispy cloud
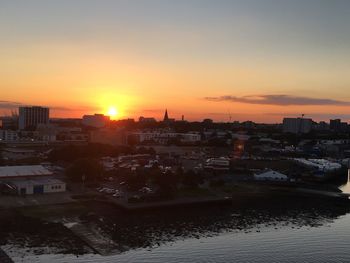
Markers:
(9, 105)
(280, 100)
(13, 105)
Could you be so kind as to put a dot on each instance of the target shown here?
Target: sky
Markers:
(256, 60)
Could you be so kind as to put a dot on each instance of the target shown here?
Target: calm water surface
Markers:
(328, 243)
(297, 230)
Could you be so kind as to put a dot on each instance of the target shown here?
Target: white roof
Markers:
(271, 174)
(23, 170)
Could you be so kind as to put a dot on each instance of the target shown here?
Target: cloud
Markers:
(12, 105)
(9, 105)
(279, 100)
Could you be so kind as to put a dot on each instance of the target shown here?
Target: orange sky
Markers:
(143, 59)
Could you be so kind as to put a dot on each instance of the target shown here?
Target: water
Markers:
(283, 230)
(328, 243)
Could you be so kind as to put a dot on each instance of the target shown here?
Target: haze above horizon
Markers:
(256, 60)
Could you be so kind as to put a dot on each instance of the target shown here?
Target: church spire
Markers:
(166, 117)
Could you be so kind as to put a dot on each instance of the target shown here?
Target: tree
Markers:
(167, 183)
(2, 162)
(192, 179)
(89, 168)
(71, 153)
(136, 180)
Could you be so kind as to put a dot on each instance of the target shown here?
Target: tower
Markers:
(166, 117)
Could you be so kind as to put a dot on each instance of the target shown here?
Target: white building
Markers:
(96, 121)
(221, 163)
(31, 179)
(271, 176)
(297, 125)
(39, 186)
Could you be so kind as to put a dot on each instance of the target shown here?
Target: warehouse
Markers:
(39, 186)
(30, 179)
(23, 171)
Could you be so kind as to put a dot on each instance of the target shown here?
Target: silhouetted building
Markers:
(207, 121)
(147, 120)
(297, 125)
(335, 124)
(166, 117)
(9, 122)
(30, 117)
(96, 121)
(323, 125)
(338, 126)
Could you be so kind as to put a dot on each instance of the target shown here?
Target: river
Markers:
(301, 229)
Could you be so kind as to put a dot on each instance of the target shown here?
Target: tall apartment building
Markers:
(297, 125)
(30, 117)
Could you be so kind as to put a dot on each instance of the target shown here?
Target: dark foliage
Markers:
(89, 168)
(93, 150)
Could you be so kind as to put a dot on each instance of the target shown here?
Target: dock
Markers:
(99, 243)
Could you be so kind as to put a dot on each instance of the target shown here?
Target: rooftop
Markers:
(23, 170)
(40, 181)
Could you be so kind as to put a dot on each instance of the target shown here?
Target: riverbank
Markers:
(95, 227)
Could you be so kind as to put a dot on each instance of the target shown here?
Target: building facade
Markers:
(96, 120)
(30, 117)
(297, 125)
(8, 136)
(30, 179)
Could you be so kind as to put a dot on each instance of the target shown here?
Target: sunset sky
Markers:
(254, 60)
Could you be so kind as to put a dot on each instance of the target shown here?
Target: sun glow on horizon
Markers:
(112, 112)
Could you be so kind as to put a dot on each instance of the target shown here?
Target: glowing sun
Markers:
(112, 112)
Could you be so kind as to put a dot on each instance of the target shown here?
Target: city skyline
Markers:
(252, 60)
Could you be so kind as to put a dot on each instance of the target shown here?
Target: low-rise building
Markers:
(96, 121)
(8, 136)
(16, 153)
(31, 179)
(164, 137)
(39, 186)
(220, 164)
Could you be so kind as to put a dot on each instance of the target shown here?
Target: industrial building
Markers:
(30, 179)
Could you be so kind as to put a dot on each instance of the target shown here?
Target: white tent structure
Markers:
(271, 175)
